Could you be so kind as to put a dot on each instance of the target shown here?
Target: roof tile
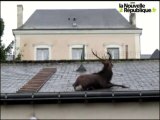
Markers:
(137, 75)
(85, 19)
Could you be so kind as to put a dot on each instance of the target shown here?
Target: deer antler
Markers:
(95, 54)
(110, 56)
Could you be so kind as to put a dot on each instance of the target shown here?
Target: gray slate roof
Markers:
(84, 19)
(145, 56)
(156, 54)
(137, 75)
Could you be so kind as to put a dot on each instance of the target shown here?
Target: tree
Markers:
(2, 27)
(4, 50)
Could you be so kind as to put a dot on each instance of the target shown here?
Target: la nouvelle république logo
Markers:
(135, 8)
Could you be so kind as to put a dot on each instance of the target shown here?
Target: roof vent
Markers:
(82, 68)
(74, 19)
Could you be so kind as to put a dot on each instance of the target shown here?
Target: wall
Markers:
(60, 44)
(132, 110)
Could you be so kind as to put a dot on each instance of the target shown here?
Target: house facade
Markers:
(64, 34)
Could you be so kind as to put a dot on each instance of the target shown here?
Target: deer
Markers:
(98, 80)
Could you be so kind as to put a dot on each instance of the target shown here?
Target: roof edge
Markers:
(71, 61)
(76, 31)
(80, 97)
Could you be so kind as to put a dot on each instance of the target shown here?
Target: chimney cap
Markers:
(20, 6)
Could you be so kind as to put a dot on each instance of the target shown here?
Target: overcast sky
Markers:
(149, 22)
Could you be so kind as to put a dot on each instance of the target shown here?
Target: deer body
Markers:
(88, 82)
(99, 80)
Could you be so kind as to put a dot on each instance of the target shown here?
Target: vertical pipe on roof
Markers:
(126, 51)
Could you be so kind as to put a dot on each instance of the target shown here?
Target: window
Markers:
(74, 19)
(42, 54)
(77, 52)
(114, 52)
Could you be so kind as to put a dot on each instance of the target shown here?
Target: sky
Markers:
(149, 22)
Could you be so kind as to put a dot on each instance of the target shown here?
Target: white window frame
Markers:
(42, 46)
(115, 46)
(77, 46)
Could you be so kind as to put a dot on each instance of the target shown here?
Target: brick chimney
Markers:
(19, 15)
(132, 18)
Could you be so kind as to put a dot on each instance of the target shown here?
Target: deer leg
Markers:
(78, 88)
(123, 86)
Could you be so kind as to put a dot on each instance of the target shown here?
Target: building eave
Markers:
(77, 31)
(80, 97)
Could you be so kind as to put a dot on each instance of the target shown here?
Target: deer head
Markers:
(110, 58)
(106, 62)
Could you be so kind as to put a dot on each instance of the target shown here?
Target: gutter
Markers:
(71, 61)
(34, 29)
(75, 31)
(80, 97)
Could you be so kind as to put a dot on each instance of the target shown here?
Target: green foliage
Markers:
(19, 57)
(1, 27)
(2, 53)
(4, 50)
